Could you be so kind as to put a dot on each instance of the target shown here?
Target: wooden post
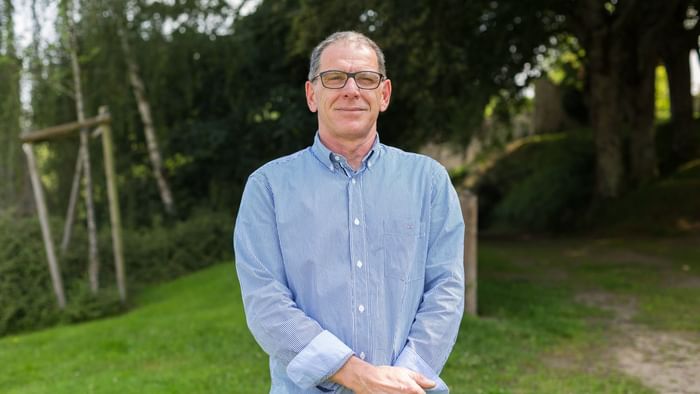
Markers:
(114, 215)
(61, 131)
(470, 214)
(70, 215)
(45, 229)
(93, 253)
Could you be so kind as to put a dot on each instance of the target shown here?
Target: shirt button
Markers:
(357, 222)
(361, 308)
(362, 355)
(369, 164)
(359, 263)
(337, 157)
(353, 181)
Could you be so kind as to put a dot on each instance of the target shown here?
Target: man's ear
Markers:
(311, 96)
(385, 95)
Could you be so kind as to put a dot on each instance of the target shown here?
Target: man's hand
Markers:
(365, 378)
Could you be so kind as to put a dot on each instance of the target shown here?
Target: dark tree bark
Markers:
(675, 57)
(596, 36)
(646, 24)
(623, 44)
(642, 146)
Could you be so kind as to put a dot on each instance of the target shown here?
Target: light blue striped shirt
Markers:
(334, 262)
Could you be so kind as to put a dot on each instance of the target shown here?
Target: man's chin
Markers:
(356, 133)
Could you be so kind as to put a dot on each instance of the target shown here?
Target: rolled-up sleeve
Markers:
(284, 331)
(436, 325)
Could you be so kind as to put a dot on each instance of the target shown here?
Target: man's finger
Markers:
(422, 381)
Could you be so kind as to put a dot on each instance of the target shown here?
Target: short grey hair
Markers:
(344, 36)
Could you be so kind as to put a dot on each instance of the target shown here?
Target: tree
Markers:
(145, 111)
(11, 174)
(682, 37)
(624, 42)
(67, 21)
(446, 59)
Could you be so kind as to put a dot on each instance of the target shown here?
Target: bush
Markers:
(151, 255)
(543, 185)
(26, 297)
(165, 252)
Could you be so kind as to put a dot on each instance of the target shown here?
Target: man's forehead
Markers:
(355, 48)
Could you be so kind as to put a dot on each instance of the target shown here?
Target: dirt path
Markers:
(668, 362)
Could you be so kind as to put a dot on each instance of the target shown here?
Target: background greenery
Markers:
(225, 83)
(153, 255)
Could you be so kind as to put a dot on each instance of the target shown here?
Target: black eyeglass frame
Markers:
(348, 75)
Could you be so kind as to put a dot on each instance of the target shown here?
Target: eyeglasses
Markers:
(336, 79)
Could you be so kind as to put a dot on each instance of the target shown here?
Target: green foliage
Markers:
(151, 255)
(438, 56)
(226, 99)
(662, 98)
(25, 286)
(167, 251)
(10, 110)
(543, 184)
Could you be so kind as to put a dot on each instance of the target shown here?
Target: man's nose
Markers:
(351, 87)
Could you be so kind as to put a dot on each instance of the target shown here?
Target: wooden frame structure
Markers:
(102, 121)
(470, 213)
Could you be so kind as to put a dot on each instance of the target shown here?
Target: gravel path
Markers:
(668, 362)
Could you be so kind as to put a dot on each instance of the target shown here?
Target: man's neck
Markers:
(353, 150)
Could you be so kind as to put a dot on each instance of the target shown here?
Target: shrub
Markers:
(26, 297)
(165, 252)
(151, 255)
(543, 185)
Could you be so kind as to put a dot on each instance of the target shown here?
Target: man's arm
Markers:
(284, 331)
(435, 328)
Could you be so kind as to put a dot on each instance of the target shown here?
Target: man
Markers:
(349, 253)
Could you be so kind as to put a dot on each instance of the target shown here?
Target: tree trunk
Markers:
(683, 139)
(643, 162)
(72, 202)
(148, 129)
(43, 213)
(10, 112)
(623, 42)
(608, 141)
(640, 56)
(604, 101)
(94, 264)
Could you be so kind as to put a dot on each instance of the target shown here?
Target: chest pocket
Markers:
(404, 251)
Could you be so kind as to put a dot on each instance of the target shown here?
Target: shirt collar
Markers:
(326, 156)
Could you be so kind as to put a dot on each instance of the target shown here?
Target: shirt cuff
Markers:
(408, 358)
(318, 361)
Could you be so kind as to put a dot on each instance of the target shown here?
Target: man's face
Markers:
(350, 113)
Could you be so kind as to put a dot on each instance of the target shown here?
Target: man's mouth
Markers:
(351, 109)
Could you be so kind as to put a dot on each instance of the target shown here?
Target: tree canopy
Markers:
(225, 82)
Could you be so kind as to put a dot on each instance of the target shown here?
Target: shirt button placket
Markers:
(362, 337)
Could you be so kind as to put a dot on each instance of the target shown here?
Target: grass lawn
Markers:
(533, 336)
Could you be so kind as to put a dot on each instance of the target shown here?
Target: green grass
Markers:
(187, 336)
(532, 336)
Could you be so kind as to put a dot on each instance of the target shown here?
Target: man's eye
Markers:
(368, 80)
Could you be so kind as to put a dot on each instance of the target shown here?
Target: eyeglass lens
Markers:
(363, 79)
